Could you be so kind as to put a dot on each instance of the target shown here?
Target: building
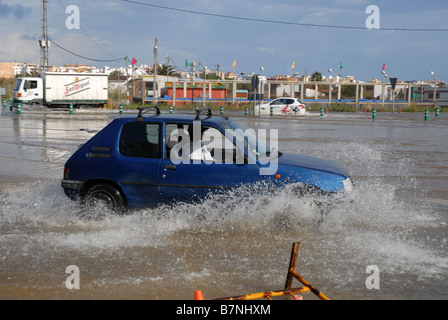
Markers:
(7, 69)
(12, 69)
(78, 68)
(195, 90)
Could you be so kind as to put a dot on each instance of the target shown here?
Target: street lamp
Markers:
(434, 75)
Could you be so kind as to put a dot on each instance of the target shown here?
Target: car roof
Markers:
(175, 117)
(189, 118)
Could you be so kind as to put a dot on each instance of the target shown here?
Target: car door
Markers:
(31, 91)
(277, 105)
(139, 155)
(217, 167)
(288, 106)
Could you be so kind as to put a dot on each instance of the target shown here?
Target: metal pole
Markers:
(44, 43)
(127, 80)
(154, 86)
(393, 100)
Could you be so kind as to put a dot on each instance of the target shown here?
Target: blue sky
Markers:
(116, 28)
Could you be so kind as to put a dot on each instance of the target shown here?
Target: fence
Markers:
(322, 92)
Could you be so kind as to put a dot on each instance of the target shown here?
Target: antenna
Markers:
(43, 42)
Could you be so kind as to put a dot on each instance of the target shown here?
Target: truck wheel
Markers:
(102, 198)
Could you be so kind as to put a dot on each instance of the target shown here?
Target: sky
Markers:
(272, 35)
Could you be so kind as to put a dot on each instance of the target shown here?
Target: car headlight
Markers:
(348, 184)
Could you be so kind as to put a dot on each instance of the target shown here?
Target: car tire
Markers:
(102, 198)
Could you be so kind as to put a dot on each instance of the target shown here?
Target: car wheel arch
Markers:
(91, 183)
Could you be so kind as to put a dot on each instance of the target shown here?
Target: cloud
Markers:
(28, 36)
(18, 11)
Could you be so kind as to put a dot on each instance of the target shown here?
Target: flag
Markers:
(341, 66)
(186, 63)
(134, 61)
(293, 65)
(384, 66)
(234, 63)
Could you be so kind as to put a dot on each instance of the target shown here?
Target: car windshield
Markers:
(257, 146)
(18, 83)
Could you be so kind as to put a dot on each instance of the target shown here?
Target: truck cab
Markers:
(28, 90)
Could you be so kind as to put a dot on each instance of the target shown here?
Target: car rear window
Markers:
(141, 140)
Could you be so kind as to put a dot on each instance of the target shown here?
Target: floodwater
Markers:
(395, 219)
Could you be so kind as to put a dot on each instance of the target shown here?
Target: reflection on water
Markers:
(396, 219)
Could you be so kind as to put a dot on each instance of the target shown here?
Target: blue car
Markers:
(152, 159)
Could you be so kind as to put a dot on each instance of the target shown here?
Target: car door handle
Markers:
(170, 167)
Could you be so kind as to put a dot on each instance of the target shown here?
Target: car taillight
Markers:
(66, 172)
(19, 95)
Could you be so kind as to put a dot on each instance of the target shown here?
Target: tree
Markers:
(115, 74)
(166, 70)
(316, 76)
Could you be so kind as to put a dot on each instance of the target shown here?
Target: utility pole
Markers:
(154, 86)
(43, 42)
(127, 80)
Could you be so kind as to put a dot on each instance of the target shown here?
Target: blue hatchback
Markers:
(153, 159)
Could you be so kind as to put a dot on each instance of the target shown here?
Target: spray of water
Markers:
(374, 225)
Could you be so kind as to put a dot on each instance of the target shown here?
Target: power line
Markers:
(279, 22)
(88, 35)
(75, 54)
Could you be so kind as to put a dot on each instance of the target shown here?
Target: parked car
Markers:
(285, 105)
(154, 159)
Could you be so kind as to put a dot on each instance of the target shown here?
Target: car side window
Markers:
(289, 101)
(174, 134)
(141, 140)
(212, 147)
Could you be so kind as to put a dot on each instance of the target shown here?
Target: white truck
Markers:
(58, 89)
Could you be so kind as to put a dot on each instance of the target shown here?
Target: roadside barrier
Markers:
(288, 290)
(171, 108)
(426, 114)
(71, 108)
(221, 110)
(19, 108)
(374, 113)
(437, 112)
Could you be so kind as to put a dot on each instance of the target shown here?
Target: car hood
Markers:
(296, 160)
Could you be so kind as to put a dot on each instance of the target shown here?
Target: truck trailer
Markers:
(58, 89)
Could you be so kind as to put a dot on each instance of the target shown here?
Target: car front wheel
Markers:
(102, 198)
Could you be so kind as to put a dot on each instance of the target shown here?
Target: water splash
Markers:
(376, 224)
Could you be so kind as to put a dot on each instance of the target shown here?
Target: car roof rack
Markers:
(199, 111)
(142, 110)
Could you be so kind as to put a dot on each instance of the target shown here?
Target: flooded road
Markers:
(396, 219)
